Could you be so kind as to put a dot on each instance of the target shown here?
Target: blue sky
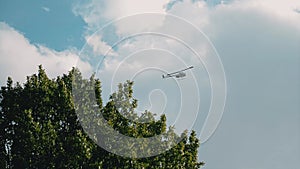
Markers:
(257, 41)
(51, 23)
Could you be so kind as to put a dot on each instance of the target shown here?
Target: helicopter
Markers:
(177, 74)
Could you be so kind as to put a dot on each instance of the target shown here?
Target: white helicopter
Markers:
(177, 74)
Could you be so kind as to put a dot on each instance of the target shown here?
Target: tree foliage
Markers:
(40, 129)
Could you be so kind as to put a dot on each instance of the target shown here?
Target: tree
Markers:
(40, 127)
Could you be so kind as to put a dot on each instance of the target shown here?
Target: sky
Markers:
(248, 58)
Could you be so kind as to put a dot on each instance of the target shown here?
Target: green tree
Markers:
(41, 126)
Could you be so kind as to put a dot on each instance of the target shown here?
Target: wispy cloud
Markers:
(20, 58)
(46, 9)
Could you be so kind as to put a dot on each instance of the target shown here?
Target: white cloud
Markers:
(206, 17)
(46, 9)
(121, 8)
(242, 14)
(94, 12)
(283, 8)
(91, 12)
(20, 58)
(197, 12)
(99, 46)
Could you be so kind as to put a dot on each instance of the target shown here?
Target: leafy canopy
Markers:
(40, 129)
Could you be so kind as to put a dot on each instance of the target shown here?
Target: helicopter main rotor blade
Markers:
(181, 70)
